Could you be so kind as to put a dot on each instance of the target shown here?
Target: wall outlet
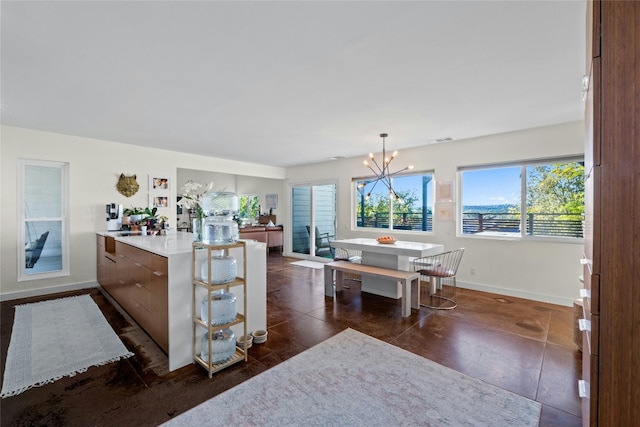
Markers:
(472, 271)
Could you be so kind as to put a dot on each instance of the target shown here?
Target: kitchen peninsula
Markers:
(150, 277)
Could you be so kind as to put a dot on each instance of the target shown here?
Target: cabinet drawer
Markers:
(139, 273)
(158, 264)
(141, 295)
(138, 255)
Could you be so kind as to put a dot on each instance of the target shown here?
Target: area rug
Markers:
(310, 264)
(55, 339)
(356, 380)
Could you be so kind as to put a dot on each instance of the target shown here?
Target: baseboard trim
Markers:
(46, 291)
(568, 302)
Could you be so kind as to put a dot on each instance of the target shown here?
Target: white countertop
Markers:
(174, 242)
(399, 248)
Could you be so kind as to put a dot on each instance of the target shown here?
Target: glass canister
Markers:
(219, 228)
(224, 307)
(223, 345)
(224, 268)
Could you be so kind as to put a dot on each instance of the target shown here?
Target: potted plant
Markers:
(151, 216)
(134, 214)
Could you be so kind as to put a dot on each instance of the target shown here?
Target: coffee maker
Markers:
(114, 217)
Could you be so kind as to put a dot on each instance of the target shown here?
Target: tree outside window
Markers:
(249, 206)
(552, 205)
(412, 210)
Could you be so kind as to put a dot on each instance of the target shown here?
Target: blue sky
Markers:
(480, 187)
(491, 186)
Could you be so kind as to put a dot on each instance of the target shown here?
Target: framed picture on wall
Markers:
(445, 212)
(271, 201)
(160, 201)
(444, 191)
(159, 183)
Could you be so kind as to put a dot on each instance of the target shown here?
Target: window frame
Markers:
(522, 235)
(22, 165)
(390, 228)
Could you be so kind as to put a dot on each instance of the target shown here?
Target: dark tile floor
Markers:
(522, 346)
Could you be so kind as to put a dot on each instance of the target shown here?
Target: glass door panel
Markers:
(313, 219)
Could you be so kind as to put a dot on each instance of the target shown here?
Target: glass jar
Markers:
(224, 268)
(219, 230)
(220, 203)
(224, 307)
(223, 346)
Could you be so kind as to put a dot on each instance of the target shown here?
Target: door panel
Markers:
(313, 213)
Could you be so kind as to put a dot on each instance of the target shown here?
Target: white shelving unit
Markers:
(199, 326)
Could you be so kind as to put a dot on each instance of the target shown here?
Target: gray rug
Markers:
(352, 379)
(55, 339)
(309, 264)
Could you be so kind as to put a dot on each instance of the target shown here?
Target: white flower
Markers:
(192, 194)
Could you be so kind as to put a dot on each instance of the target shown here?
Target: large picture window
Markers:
(413, 211)
(541, 199)
(43, 232)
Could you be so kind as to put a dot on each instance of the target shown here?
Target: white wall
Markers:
(544, 271)
(94, 169)
(240, 184)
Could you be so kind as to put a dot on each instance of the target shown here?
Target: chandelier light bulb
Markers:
(381, 171)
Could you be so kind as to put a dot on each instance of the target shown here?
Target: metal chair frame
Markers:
(436, 268)
(351, 255)
(322, 242)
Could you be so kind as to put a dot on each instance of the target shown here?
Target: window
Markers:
(374, 207)
(43, 235)
(542, 199)
(249, 207)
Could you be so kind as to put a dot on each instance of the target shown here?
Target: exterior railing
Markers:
(401, 221)
(537, 224)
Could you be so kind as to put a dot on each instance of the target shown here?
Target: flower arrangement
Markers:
(192, 194)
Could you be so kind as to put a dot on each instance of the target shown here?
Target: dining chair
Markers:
(322, 243)
(436, 269)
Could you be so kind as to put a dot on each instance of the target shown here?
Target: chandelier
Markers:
(382, 173)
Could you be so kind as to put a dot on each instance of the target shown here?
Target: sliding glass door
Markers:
(313, 214)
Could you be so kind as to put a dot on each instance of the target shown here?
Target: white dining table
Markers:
(398, 256)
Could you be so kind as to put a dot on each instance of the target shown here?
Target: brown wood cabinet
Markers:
(611, 345)
(138, 281)
(106, 261)
(272, 236)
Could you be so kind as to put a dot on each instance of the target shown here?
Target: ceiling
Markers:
(293, 82)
